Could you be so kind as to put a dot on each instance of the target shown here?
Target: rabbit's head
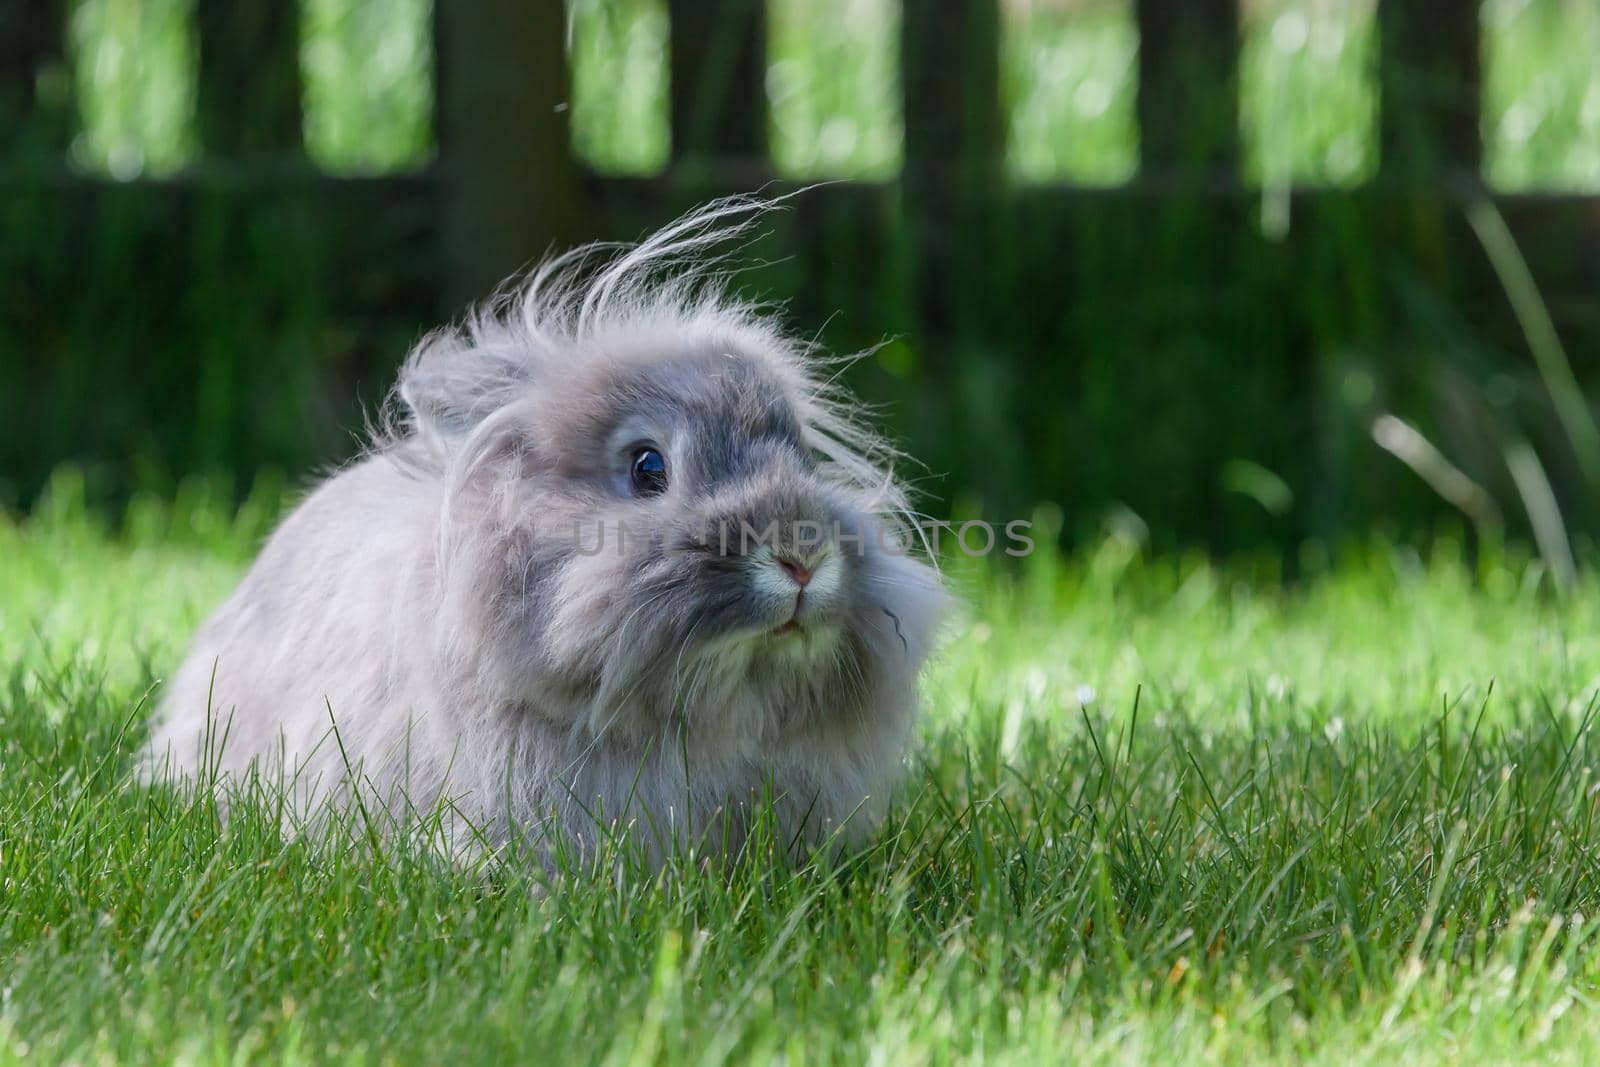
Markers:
(657, 510)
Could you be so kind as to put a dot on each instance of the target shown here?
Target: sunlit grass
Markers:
(1160, 809)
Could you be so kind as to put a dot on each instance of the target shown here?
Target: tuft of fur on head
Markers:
(674, 283)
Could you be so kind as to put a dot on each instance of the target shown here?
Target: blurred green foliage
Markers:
(833, 87)
(1067, 80)
(368, 77)
(1542, 93)
(1205, 366)
(619, 84)
(367, 72)
(134, 62)
(1308, 96)
(1308, 90)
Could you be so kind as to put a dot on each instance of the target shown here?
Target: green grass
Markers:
(1320, 836)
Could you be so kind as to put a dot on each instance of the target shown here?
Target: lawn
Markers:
(1160, 808)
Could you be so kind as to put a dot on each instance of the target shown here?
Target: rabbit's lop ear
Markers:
(450, 386)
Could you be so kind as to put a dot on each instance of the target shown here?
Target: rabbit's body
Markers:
(455, 619)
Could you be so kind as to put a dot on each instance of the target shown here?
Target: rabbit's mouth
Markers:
(804, 643)
(797, 592)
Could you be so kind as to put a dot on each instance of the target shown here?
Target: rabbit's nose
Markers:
(800, 574)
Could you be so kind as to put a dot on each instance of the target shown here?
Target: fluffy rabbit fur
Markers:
(434, 621)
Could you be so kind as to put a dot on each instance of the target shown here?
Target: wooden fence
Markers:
(502, 190)
(506, 186)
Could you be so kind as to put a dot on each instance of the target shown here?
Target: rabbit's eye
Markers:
(649, 474)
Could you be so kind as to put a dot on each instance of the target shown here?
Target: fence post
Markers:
(509, 185)
(954, 146)
(1189, 85)
(249, 79)
(35, 84)
(1429, 81)
(950, 186)
(719, 83)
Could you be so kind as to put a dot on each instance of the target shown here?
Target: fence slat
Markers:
(509, 185)
(719, 80)
(1429, 77)
(249, 81)
(950, 185)
(35, 84)
(954, 144)
(1188, 85)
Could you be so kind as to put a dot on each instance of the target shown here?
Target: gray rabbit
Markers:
(624, 557)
